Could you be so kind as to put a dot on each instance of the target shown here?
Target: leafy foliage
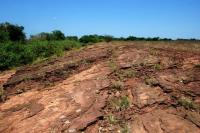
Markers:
(10, 32)
(73, 38)
(120, 103)
(90, 39)
(187, 103)
(54, 35)
(14, 54)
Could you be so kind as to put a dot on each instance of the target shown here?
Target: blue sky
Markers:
(148, 18)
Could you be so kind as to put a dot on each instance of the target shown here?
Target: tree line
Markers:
(11, 32)
(16, 49)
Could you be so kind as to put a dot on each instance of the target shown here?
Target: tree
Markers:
(4, 36)
(91, 39)
(41, 36)
(108, 38)
(73, 38)
(131, 38)
(11, 32)
(57, 35)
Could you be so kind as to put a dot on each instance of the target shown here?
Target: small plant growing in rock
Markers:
(129, 73)
(157, 66)
(124, 102)
(113, 66)
(154, 52)
(123, 74)
(151, 81)
(187, 103)
(111, 119)
(120, 103)
(2, 96)
(118, 85)
(125, 129)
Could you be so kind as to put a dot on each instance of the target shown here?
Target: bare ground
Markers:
(136, 87)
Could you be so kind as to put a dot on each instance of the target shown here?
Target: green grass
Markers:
(187, 103)
(111, 119)
(123, 74)
(124, 102)
(157, 66)
(125, 129)
(113, 66)
(120, 103)
(117, 85)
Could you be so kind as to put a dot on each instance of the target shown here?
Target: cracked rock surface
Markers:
(124, 87)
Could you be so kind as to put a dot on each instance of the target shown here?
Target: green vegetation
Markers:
(125, 129)
(187, 103)
(128, 73)
(124, 102)
(96, 38)
(72, 38)
(13, 54)
(90, 39)
(113, 66)
(111, 119)
(54, 35)
(1, 93)
(123, 74)
(133, 38)
(120, 103)
(117, 85)
(17, 50)
(151, 81)
(157, 66)
(10, 32)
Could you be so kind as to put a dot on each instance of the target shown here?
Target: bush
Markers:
(120, 103)
(43, 36)
(117, 85)
(16, 54)
(72, 38)
(108, 38)
(11, 32)
(187, 103)
(57, 35)
(90, 39)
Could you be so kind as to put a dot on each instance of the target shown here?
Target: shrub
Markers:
(125, 129)
(11, 32)
(111, 119)
(72, 38)
(2, 95)
(90, 39)
(57, 35)
(117, 85)
(187, 103)
(131, 38)
(43, 36)
(157, 66)
(120, 103)
(151, 81)
(14, 54)
(108, 38)
(124, 74)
